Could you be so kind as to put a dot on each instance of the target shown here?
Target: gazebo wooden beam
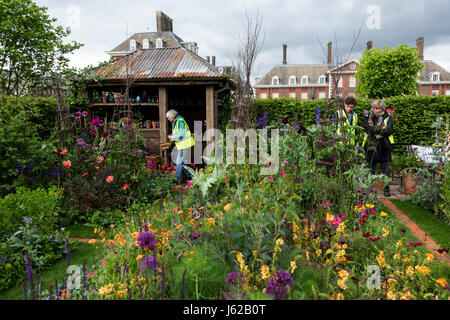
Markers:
(211, 111)
(163, 108)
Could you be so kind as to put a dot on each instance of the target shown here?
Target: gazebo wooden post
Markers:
(163, 108)
(211, 112)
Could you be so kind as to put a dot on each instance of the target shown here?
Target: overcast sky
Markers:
(216, 25)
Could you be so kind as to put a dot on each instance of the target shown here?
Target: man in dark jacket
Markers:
(378, 141)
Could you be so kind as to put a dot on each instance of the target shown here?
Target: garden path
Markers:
(418, 232)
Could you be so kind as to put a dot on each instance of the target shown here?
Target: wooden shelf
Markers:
(150, 129)
(146, 104)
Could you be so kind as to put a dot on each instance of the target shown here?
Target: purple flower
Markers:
(195, 235)
(146, 240)
(148, 263)
(84, 114)
(278, 284)
(235, 278)
(359, 190)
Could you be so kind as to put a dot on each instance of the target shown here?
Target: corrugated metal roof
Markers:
(164, 63)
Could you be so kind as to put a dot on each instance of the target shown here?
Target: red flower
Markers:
(442, 250)
(63, 152)
(109, 179)
(125, 187)
(366, 235)
(374, 239)
(84, 174)
(164, 168)
(67, 163)
(412, 244)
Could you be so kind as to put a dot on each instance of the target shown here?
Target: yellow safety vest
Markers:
(391, 137)
(188, 140)
(347, 125)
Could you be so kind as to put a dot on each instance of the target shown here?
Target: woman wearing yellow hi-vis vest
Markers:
(378, 140)
(350, 117)
(183, 141)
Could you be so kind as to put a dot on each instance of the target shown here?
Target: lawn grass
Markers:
(80, 252)
(86, 232)
(429, 223)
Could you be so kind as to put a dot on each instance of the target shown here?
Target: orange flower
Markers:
(125, 187)
(102, 233)
(139, 257)
(442, 282)
(92, 241)
(112, 242)
(63, 152)
(67, 163)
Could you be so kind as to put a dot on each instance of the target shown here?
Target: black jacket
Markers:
(378, 136)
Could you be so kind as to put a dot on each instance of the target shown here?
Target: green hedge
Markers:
(415, 115)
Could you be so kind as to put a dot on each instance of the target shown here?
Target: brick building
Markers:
(323, 81)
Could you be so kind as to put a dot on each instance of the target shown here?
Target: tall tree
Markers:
(31, 47)
(388, 72)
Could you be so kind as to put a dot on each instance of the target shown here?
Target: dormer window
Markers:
(145, 44)
(292, 80)
(434, 76)
(304, 80)
(275, 81)
(159, 43)
(132, 45)
(322, 79)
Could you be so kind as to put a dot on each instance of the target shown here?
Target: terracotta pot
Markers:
(379, 185)
(154, 125)
(148, 125)
(105, 100)
(410, 183)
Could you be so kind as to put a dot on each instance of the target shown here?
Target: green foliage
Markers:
(386, 72)
(31, 47)
(445, 191)
(42, 205)
(104, 219)
(413, 116)
(42, 249)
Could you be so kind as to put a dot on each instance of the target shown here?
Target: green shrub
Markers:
(41, 205)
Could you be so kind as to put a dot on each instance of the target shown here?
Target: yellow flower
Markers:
(423, 270)
(293, 266)
(430, 257)
(381, 260)
(341, 284)
(120, 293)
(227, 207)
(106, 289)
(265, 273)
(318, 252)
(407, 296)
(211, 220)
(139, 257)
(280, 242)
(330, 217)
(442, 282)
(397, 256)
(255, 252)
(307, 254)
(95, 230)
(341, 227)
(409, 271)
(338, 296)
(391, 295)
(384, 214)
(92, 241)
(343, 274)
(135, 235)
(386, 231)
(399, 243)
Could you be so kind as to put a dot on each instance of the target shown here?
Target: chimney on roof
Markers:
(284, 53)
(419, 46)
(163, 22)
(207, 59)
(329, 60)
(369, 44)
(213, 60)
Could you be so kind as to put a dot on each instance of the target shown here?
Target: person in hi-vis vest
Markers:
(183, 141)
(379, 140)
(350, 119)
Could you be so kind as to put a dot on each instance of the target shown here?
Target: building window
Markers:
(145, 44)
(275, 81)
(132, 45)
(304, 95)
(292, 80)
(322, 79)
(340, 82)
(305, 80)
(339, 95)
(159, 43)
(352, 83)
(351, 94)
(434, 76)
(263, 95)
(275, 95)
(292, 95)
(435, 93)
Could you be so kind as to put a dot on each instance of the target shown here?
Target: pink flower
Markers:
(67, 163)
(296, 167)
(344, 216)
(110, 179)
(97, 167)
(226, 179)
(189, 184)
(282, 173)
(64, 151)
(286, 162)
(84, 174)
(100, 159)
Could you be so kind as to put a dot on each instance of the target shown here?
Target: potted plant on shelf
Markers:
(153, 124)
